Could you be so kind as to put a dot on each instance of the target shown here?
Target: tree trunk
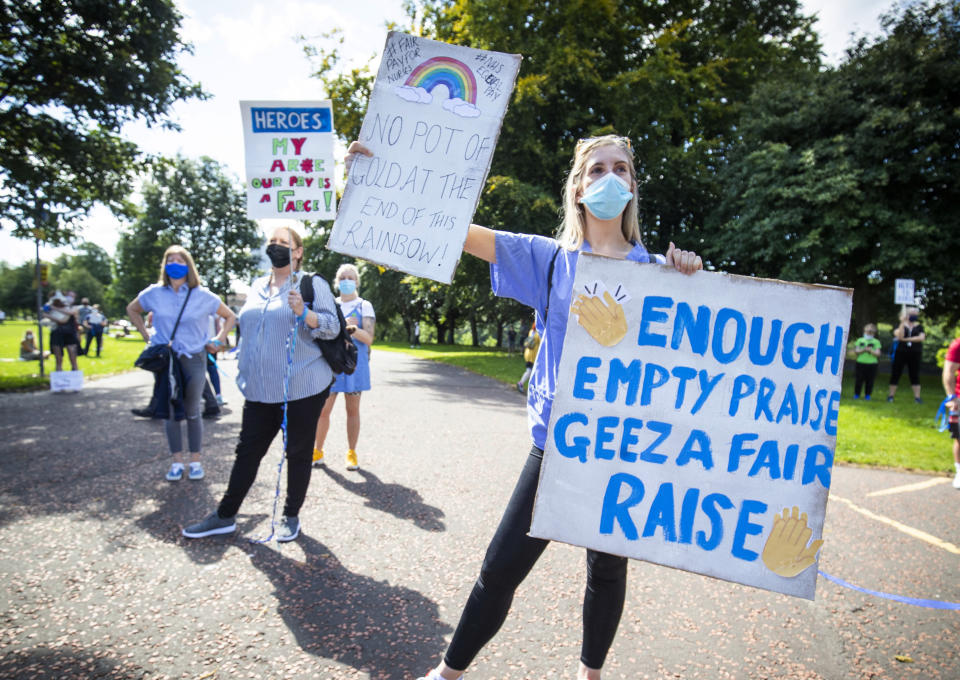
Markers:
(475, 331)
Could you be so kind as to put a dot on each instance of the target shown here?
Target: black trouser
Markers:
(909, 357)
(864, 376)
(95, 331)
(259, 426)
(510, 556)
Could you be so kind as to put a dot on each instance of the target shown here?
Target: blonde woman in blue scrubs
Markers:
(599, 216)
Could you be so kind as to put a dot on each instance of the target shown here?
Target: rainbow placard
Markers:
(432, 123)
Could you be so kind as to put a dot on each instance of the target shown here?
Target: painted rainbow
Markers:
(451, 73)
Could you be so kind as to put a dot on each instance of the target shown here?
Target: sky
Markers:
(248, 50)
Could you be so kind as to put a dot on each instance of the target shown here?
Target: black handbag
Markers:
(156, 358)
(339, 352)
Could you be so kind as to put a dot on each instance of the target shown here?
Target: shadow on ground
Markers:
(372, 626)
(395, 499)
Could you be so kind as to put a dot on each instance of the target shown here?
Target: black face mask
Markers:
(279, 255)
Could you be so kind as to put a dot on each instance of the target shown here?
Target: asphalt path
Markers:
(98, 582)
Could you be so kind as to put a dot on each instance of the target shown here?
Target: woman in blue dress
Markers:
(361, 320)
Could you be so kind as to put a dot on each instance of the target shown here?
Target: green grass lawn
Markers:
(118, 355)
(875, 433)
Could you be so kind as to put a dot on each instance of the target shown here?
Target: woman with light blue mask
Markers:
(361, 320)
(600, 216)
(181, 309)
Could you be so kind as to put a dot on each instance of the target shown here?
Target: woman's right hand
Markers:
(355, 149)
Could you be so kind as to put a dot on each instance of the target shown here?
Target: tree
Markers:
(852, 176)
(95, 260)
(72, 73)
(673, 76)
(81, 282)
(18, 288)
(194, 204)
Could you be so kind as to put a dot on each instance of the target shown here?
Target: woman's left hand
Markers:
(295, 301)
(685, 261)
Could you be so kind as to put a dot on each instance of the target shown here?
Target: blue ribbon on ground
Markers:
(913, 601)
(941, 418)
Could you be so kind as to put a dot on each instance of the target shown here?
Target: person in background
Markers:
(83, 310)
(284, 380)
(909, 336)
(213, 372)
(951, 385)
(94, 322)
(599, 216)
(530, 346)
(28, 348)
(64, 334)
(867, 350)
(360, 318)
(180, 307)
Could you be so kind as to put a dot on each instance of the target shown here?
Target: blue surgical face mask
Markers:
(175, 270)
(347, 286)
(607, 197)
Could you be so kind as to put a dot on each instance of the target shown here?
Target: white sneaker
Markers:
(956, 481)
(433, 675)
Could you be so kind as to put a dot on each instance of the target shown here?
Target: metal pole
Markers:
(36, 238)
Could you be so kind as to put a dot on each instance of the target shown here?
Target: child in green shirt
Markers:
(867, 350)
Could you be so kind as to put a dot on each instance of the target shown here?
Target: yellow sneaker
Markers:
(352, 463)
(318, 457)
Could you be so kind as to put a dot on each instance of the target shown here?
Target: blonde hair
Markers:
(347, 267)
(573, 223)
(296, 242)
(193, 280)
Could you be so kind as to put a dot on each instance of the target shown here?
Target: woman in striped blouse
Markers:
(270, 376)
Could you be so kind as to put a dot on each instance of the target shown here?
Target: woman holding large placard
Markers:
(600, 216)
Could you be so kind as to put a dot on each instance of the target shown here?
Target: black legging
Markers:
(510, 556)
(259, 426)
(909, 357)
(863, 378)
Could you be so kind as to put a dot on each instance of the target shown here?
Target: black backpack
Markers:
(339, 352)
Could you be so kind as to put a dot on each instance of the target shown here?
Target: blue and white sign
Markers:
(695, 422)
(289, 160)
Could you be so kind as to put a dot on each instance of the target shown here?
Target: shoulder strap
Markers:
(177, 324)
(553, 262)
(306, 289)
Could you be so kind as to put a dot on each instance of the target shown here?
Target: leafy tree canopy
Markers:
(673, 76)
(194, 204)
(851, 176)
(72, 73)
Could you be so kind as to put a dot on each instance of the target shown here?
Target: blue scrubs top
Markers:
(520, 272)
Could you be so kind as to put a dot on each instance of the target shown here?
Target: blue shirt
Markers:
(266, 322)
(520, 272)
(165, 303)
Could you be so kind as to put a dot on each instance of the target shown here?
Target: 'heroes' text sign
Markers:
(432, 124)
(289, 160)
(695, 422)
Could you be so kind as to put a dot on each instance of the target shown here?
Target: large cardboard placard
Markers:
(695, 421)
(432, 124)
(289, 160)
